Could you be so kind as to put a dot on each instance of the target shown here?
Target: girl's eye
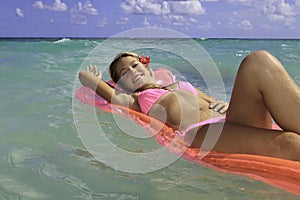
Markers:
(123, 72)
(134, 65)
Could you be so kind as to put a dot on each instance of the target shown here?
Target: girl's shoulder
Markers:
(172, 86)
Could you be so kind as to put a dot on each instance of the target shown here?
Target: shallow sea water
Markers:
(42, 154)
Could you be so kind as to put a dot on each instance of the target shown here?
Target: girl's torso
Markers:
(177, 105)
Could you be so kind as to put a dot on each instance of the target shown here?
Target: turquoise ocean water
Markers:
(42, 156)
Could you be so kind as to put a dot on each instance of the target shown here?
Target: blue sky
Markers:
(194, 18)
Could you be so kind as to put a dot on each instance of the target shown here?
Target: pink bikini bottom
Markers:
(208, 121)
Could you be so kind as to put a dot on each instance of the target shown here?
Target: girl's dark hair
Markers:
(113, 66)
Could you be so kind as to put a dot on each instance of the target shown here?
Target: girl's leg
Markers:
(263, 89)
(235, 138)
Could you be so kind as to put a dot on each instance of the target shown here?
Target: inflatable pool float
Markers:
(284, 174)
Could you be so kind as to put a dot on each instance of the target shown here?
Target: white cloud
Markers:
(102, 23)
(146, 22)
(86, 8)
(245, 25)
(78, 19)
(57, 6)
(163, 7)
(172, 12)
(19, 12)
(80, 12)
(278, 7)
(206, 26)
(187, 7)
(242, 2)
(238, 21)
(38, 5)
(145, 7)
(123, 21)
(280, 11)
(179, 20)
(193, 20)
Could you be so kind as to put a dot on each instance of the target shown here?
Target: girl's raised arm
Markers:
(92, 78)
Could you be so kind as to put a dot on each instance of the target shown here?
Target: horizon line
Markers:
(201, 38)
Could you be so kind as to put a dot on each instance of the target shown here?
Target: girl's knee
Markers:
(260, 61)
(258, 58)
(289, 145)
(260, 55)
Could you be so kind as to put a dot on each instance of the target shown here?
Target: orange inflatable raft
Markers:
(284, 174)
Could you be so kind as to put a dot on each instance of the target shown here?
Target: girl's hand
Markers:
(94, 71)
(219, 106)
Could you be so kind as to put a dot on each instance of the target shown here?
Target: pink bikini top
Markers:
(149, 97)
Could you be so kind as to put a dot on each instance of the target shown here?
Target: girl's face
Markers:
(133, 74)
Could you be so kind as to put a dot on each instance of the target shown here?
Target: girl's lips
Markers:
(136, 78)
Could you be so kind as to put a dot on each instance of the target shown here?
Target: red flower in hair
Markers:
(144, 59)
